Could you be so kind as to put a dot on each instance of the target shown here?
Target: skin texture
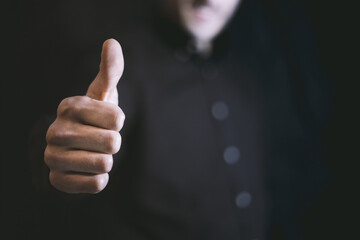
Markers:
(85, 134)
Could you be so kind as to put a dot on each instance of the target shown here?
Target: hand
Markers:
(85, 134)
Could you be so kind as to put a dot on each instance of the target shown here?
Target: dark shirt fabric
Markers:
(229, 146)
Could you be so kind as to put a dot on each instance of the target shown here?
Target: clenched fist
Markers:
(85, 134)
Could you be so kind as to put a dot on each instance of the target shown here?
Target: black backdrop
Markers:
(49, 26)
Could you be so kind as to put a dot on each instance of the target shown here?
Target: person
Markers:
(92, 126)
(222, 109)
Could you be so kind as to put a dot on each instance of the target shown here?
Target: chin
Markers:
(203, 32)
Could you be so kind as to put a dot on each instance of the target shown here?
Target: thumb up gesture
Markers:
(85, 134)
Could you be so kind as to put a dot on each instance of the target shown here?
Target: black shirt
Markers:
(224, 147)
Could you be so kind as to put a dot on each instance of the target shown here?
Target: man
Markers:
(222, 137)
(203, 19)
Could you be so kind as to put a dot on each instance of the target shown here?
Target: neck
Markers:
(203, 47)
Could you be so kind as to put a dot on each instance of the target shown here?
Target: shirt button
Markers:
(231, 155)
(243, 199)
(220, 110)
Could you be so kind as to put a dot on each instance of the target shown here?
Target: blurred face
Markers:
(204, 19)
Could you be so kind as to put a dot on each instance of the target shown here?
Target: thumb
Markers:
(111, 68)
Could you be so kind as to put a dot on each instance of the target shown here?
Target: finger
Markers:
(111, 68)
(61, 159)
(83, 137)
(77, 182)
(92, 112)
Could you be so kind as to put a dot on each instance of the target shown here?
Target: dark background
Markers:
(62, 27)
